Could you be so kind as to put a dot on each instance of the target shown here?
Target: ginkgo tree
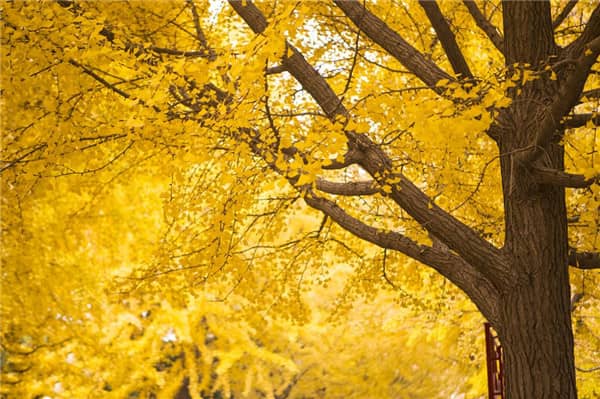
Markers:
(459, 135)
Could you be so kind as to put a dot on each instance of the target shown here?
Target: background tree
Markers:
(416, 119)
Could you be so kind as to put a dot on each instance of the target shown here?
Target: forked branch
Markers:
(590, 32)
(99, 78)
(199, 33)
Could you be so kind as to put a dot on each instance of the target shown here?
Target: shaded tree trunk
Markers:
(535, 320)
(537, 340)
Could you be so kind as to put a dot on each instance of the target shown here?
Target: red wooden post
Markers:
(495, 364)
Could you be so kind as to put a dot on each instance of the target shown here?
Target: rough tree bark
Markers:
(535, 323)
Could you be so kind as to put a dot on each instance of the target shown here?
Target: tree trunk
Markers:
(535, 318)
(537, 341)
(535, 323)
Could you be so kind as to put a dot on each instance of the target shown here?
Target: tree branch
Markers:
(567, 97)
(11, 163)
(393, 43)
(183, 53)
(564, 13)
(579, 120)
(590, 32)
(274, 70)
(368, 187)
(590, 370)
(462, 274)
(584, 260)
(559, 178)
(455, 234)
(490, 30)
(199, 33)
(351, 157)
(594, 93)
(575, 298)
(111, 86)
(439, 257)
(446, 37)
(100, 79)
(253, 17)
(295, 63)
(314, 84)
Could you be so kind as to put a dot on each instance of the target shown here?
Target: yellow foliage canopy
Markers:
(162, 182)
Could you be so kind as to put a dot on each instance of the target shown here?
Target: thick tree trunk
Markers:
(535, 328)
(537, 340)
(535, 320)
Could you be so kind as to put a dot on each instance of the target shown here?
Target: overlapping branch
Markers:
(99, 78)
(23, 157)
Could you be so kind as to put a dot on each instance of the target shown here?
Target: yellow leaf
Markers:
(304, 179)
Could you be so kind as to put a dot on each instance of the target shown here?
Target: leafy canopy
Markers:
(152, 242)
